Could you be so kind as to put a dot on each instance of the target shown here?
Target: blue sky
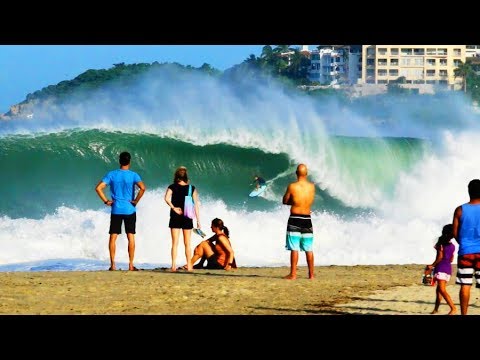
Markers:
(27, 68)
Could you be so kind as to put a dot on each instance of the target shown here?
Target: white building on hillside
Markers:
(472, 51)
(335, 64)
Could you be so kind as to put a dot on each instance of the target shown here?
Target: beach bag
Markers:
(428, 279)
(189, 207)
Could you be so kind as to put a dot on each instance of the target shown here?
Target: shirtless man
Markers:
(300, 195)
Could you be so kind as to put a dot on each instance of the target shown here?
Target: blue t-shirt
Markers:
(469, 230)
(122, 189)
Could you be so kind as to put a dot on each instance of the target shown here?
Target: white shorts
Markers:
(442, 276)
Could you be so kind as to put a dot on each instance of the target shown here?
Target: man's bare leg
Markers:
(131, 250)
(293, 265)
(464, 298)
(309, 256)
(112, 241)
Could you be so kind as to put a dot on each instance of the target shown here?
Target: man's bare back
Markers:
(300, 194)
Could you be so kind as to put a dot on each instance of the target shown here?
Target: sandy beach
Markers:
(385, 289)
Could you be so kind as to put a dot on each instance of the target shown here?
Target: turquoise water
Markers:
(43, 172)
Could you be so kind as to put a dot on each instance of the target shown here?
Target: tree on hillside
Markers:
(268, 60)
(298, 68)
(207, 68)
(281, 59)
(279, 49)
(267, 53)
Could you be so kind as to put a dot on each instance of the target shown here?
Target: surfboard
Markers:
(258, 191)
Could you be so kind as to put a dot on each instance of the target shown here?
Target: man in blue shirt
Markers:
(466, 230)
(122, 184)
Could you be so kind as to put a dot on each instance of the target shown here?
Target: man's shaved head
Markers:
(302, 170)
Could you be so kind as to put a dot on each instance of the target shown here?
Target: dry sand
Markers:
(338, 290)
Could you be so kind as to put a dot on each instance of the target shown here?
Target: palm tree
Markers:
(299, 65)
(281, 59)
(267, 52)
(463, 70)
(279, 49)
(252, 59)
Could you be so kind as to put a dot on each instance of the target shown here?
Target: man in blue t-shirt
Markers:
(122, 184)
(466, 230)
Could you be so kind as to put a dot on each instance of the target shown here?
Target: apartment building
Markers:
(420, 65)
(335, 64)
(473, 51)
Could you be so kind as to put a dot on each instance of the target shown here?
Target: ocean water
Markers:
(388, 174)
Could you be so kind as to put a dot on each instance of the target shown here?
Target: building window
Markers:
(443, 73)
(431, 51)
(370, 72)
(442, 51)
(418, 61)
(457, 52)
(431, 62)
(394, 51)
(382, 82)
(418, 73)
(393, 72)
(430, 73)
(382, 72)
(393, 62)
(407, 51)
(382, 51)
(382, 62)
(457, 62)
(443, 62)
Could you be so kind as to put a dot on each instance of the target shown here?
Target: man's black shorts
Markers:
(116, 223)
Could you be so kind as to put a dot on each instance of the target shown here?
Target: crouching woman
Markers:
(217, 250)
